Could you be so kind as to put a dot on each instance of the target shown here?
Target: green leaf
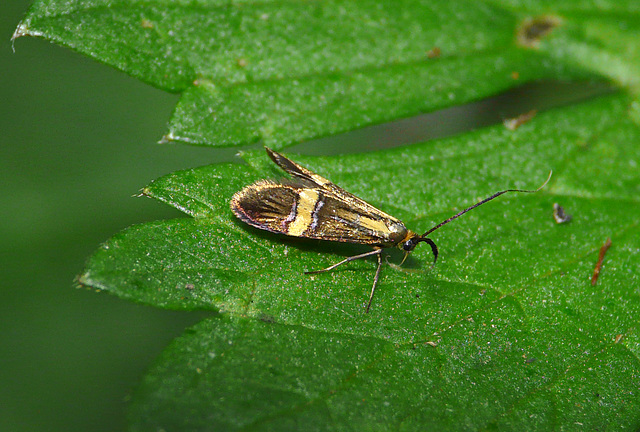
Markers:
(521, 336)
(602, 36)
(491, 370)
(282, 72)
(505, 332)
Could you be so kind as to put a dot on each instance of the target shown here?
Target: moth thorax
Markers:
(397, 232)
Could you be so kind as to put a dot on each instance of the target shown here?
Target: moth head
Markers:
(410, 244)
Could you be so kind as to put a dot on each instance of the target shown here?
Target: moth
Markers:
(312, 207)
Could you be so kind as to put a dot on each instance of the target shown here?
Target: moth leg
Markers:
(376, 251)
(375, 280)
(346, 260)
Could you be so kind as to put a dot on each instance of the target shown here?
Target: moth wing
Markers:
(347, 218)
(294, 209)
(309, 178)
(267, 205)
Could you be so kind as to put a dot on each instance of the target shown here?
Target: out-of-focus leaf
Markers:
(285, 71)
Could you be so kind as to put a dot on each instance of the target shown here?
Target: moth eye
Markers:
(408, 245)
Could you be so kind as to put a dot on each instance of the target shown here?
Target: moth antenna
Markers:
(434, 248)
(486, 200)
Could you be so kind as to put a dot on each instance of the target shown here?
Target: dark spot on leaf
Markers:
(267, 318)
(434, 53)
(596, 271)
(533, 30)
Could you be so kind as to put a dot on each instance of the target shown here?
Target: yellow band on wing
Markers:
(306, 203)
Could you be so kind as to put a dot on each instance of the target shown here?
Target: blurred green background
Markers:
(78, 139)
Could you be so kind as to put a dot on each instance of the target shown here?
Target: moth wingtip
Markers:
(238, 200)
(235, 202)
(236, 206)
(274, 155)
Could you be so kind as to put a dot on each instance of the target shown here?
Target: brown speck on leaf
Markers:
(433, 53)
(514, 123)
(618, 338)
(532, 30)
(146, 24)
(242, 62)
(515, 75)
(603, 251)
(267, 318)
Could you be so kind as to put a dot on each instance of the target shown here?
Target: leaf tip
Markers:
(144, 192)
(167, 138)
(171, 137)
(23, 30)
(84, 281)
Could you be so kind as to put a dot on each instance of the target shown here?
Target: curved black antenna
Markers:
(494, 196)
(434, 248)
